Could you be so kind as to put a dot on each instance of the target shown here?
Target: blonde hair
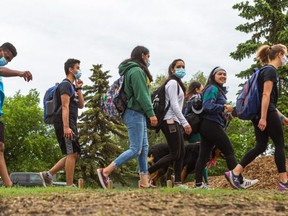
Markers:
(266, 53)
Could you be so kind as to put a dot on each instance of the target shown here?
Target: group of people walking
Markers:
(214, 118)
(137, 81)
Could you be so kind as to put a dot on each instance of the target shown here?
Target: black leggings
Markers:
(174, 137)
(275, 131)
(213, 134)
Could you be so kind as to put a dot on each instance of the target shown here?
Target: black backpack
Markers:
(159, 105)
(193, 113)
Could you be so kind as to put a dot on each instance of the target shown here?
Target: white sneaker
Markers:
(202, 186)
(247, 183)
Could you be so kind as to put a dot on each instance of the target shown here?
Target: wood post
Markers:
(80, 183)
(110, 184)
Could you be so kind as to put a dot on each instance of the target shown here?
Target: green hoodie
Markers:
(136, 88)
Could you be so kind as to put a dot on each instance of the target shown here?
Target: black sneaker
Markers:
(233, 180)
(46, 179)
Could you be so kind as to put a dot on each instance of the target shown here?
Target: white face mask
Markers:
(284, 60)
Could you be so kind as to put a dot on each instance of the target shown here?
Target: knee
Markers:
(136, 152)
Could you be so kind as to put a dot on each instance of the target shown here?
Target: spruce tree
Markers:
(101, 140)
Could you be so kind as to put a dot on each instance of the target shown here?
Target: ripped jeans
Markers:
(137, 132)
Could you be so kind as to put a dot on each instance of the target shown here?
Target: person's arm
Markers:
(65, 101)
(209, 101)
(141, 92)
(268, 85)
(79, 84)
(6, 72)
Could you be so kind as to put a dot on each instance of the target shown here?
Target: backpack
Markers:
(50, 105)
(193, 113)
(159, 105)
(114, 101)
(248, 101)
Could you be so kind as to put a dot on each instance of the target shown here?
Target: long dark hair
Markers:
(211, 81)
(172, 76)
(136, 56)
(192, 89)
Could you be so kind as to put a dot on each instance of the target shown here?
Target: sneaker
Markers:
(103, 179)
(46, 179)
(181, 186)
(247, 183)
(202, 186)
(282, 186)
(233, 180)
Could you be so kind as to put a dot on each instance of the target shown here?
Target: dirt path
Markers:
(149, 202)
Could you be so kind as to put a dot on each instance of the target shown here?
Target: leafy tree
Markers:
(101, 140)
(200, 77)
(30, 145)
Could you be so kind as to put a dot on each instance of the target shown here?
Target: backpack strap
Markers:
(72, 87)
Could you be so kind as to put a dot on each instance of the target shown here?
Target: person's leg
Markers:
(142, 158)
(178, 164)
(133, 121)
(261, 145)
(60, 165)
(205, 149)
(172, 137)
(204, 154)
(70, 167)
(3, 169)
(275, 131)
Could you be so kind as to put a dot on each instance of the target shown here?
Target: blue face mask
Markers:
(180, 72)
(3, 61)
(148, 63)
(78, 74)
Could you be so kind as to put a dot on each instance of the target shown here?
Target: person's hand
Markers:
(68, 133)
(26, 75)
(285, 121)
(228, 108)
(79, 83)
(153, 121)
(262, 124)
(188, 129)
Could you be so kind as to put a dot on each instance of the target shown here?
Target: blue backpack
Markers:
(248, 101)
(50, 105)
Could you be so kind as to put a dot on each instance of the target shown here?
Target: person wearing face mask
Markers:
(174, 121)
(7, 53)
(65, 124)
(137, 80)
(212, 131)
(270, 120)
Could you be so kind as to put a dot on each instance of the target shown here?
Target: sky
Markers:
(47, 33)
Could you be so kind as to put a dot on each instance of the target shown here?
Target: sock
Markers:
(49, 174)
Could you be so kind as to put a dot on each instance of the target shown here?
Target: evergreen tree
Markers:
(101, 140)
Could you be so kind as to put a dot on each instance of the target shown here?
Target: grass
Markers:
(216, 195)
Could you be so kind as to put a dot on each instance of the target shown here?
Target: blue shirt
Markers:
(213, 104)
(2, 95)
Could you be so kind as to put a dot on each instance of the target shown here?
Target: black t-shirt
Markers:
(269, 73)
(67, 88)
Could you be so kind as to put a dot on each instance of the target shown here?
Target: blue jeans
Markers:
(137, 132)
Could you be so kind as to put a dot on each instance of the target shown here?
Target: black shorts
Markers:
(1, 132)
(67, 146)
